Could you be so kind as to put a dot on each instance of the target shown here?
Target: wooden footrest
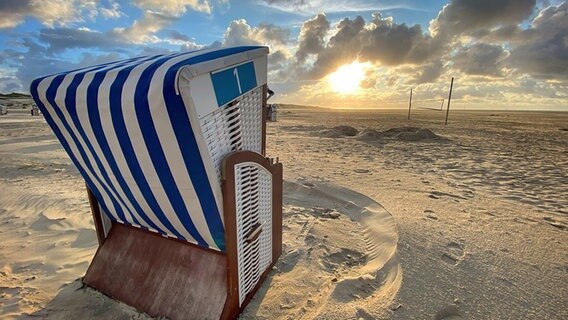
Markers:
(161, 276)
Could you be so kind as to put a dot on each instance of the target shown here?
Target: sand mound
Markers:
(339, 132)
(411, 134)
(400, 134)
(370, 134)
(300, 128)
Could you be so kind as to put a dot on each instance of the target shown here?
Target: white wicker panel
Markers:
(251, 111)
(265, 212)
(234, 128)
(253, 188)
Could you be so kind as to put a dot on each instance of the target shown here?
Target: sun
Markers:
(346, 79)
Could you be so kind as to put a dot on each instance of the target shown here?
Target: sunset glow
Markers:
(347, 78)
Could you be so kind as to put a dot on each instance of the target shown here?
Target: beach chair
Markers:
(272, 113)
(187, 208)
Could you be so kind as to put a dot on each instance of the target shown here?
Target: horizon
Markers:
(352, 54)
(379, 108)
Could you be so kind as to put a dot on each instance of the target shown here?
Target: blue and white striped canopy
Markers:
(128, 132)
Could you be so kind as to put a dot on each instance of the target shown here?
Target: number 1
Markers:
(236, 73)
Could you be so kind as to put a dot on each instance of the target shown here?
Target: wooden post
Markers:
(264, 113)
(442, 106)
(410, 104)
(97, 217)
(449, 100)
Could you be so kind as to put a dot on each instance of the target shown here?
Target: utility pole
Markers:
(410, 104)
(449, 100)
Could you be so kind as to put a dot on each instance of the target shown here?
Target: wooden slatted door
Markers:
(252, 195)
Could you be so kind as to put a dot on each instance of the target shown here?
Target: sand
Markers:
(384, 218)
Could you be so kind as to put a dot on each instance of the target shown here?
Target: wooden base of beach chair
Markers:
(175, 279)
(160, 276)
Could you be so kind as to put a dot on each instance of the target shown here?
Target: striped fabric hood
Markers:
(137, 140)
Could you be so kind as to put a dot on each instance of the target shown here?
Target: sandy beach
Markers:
(384, 218)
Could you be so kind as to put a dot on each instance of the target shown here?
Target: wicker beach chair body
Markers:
(172, 151)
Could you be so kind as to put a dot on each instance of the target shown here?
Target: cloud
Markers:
(61, 39)
(539, 50)
(176, 35)
(10, 57)
(370, 79)
(462, 16)
(240, 33)
(312, 7)
(277, 59)
(430, 72)
(9, 82)
(152, 51)
(312, 35)
(50, 13)
(113, 12)
(44, 55)
(381, 41)
(174, 7)
(41, 60)
(61, 13)
(36, 61)
(89, 59)
(185, 42)
(480, 59)
(389, 43)
(143, 30)
(543, 50)
(508, 33)
(190, 46)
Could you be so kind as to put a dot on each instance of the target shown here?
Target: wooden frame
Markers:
(264, 116)
(97, 217)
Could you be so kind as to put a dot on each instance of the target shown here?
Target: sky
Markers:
(503, 54)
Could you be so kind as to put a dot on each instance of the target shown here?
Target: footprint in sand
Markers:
(307, 225)
(553, 222)
(439, 195)
(454, 253)
(289, 260)
(363, 314)
(344, 258)
(308, 184)
(430, 214)
(448, 313)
